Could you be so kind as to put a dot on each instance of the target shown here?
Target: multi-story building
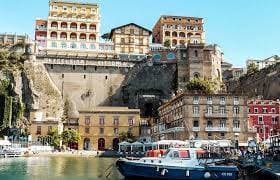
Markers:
(264, 116)
(263, 63)
(100, 127)
(12, 39)
(233, 73)
(71, 28)
(178, 30)
(131, 38)
(40, 126)
(201, 116)
(199, 61)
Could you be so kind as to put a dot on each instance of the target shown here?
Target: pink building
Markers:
(263, 115)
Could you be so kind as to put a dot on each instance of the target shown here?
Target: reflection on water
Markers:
(62, 168)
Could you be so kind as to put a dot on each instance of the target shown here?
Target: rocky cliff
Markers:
(265, 83)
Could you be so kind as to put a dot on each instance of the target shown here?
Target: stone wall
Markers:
(265, 83)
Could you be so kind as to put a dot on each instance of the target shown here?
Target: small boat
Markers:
(176, 163)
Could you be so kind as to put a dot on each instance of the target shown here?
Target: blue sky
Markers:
(243, 28)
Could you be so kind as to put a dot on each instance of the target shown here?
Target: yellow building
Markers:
(40, 126)
(100, 127)
(131, 39)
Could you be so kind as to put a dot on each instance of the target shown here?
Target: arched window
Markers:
(167, 33)
(174, 42)
(53, 35)
(189, 35)
(92, 27)
(92, 37)
(83, 26)
(83, 36)
(174, 34)
(182, 34)
(182, 42)
(63, 35)
(196, 75)
(54, 24)
(73, 25)
(197, 34)
(73, 36)
(64, 25)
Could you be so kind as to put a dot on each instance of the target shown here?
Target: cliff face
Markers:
(265, 83)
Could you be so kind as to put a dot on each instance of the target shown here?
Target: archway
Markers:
(86, 144)
(116, 144)
(101, 144)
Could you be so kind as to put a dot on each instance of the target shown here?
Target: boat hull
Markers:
(132, 170)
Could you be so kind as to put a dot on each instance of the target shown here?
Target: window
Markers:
(209, 134)
(131, 31)
(39, 128)
(209, 100)
(141, 41)
(195, 99)
(85, 76)
(235, 100)
(195, 123)
(51, 66)
(235, 110)
(209, 124)
(122, 40)
(195, 110)
(92, 46)
(87, 130)
(131, 49)
(87, 120)
(222, 134)
(130, 121)
(123, 30)
(54, 44)
(64, 8)
(260, 120)
(73, 45)
(131, 40)
(73, 67)
(101, 130)
(101, 121)
(273, 110)
(209, 110)
(74, 9)
(223, 110)
(85, 67)
(116, 130)
(49, 128)
(116, 121)
(62, 76)
(222, 123)
(63, 45)
(83, 46)
(264, 110)
(256, 110)
(249, 110)
(195, 53)
(222, 100)
(236, 123)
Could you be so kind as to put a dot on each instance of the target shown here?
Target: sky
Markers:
(242, 28)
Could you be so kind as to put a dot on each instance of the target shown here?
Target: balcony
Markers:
(195, 115)
(196, 129)
(173, 130)
(215, 115)
(218, 129)
(252, 130)
(236, 129)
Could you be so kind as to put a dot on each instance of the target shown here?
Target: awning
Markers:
(5, 143)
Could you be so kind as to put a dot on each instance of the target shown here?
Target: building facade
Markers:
(178, 30)
(263, 63)
(12, 39)
(264, 116)
(198, 116)
(100, 128)
(199, 61)
(131, 39)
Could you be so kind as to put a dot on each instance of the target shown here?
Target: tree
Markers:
(201, 85)
(70, 136)
(167, 43)
(252, 69)
(127, 136)
(55, 138)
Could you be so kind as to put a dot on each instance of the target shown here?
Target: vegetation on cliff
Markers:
(202, 86)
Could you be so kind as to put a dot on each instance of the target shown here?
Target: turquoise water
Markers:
(61, 168)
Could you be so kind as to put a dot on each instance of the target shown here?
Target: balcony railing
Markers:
(236, 129)
(196, 129)
(219, 129)
(253, 130)
(215, 115)
(173, 130)
(195, 115)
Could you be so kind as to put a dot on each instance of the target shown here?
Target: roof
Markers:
(129, 24)
(181, 16)
(73, 2)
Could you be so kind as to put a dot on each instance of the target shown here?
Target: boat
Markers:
(176, 163)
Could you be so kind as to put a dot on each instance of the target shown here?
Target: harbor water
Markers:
(58, 168)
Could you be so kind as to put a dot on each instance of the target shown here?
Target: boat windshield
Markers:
(166, 152)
